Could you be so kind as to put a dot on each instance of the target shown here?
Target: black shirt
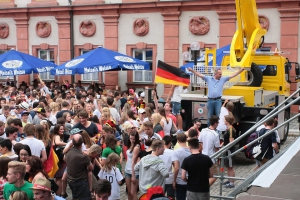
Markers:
(92, 130)
(266, 143)
(197, 167)
(144, 153)
(229, 133)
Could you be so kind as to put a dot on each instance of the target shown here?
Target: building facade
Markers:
(58, 30)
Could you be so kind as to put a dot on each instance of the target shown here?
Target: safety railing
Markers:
(221, 153)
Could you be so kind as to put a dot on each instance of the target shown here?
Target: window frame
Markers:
(48, 74)
(144, 58)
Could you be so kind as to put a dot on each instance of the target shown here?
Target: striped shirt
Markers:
(215, 87)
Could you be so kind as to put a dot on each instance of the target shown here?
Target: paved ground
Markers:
(243, 167)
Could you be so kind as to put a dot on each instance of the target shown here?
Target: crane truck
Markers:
(263, 85)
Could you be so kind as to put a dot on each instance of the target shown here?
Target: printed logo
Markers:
(124, 59)
(75, 62)
(12, 64)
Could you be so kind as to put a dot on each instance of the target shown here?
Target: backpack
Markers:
(249, 149)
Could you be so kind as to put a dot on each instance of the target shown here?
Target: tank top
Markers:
(167, 126)
(128, 165)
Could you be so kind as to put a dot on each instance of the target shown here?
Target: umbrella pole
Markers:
(15, 81)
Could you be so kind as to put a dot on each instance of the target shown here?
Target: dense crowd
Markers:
(54, 136)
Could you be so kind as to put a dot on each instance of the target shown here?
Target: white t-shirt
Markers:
(210, 140)
(114, 176)
(176, 97)
(97, 113)
(115, 115)
(83, 147)
(179, 155)
(3, 136)
(167, 158)
(221, 125)
(36, 146)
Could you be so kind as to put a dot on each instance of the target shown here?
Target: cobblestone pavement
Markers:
(243, 167)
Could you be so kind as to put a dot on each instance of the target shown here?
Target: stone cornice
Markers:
(171, 14)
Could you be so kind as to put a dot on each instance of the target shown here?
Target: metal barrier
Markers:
(221, 154)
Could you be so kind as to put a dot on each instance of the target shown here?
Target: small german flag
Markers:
(167, 74)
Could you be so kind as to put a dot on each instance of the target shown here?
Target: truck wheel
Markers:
(255, 76)
(286, 127)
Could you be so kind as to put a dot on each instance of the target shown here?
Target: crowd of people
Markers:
(52, 137)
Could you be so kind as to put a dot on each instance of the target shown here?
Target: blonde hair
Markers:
(112, 160)
(156, 117)
(54, 106)
(59, 101)
(18, 167)
(106, 110)
(125, 109)
(18, 195)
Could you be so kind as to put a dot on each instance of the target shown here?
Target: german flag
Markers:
(167, 74)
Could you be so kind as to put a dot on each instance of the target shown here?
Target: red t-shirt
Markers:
(173, 118)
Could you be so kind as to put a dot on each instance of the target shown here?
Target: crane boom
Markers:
(248, 27)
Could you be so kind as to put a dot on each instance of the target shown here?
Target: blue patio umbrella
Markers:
(219, 57)
(14, 63)
(100, 60)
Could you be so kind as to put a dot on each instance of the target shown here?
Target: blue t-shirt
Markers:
(215, 87)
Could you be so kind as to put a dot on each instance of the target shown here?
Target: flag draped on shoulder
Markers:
(167, 74)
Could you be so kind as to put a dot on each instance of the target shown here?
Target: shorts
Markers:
(130, 175)
(198, 195)
(228, 161)
(176, 108)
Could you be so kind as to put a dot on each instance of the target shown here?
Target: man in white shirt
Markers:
(210, 142)
(37, 147)
(167, 158)
(178, 156)
(5, 114)
(113, 111)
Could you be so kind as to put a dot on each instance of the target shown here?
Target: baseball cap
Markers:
(24, 113)
(111, 123)
(42, 184)
(131, 91)
(41, 110)
(142, 94)
(24, 105)
(75, 130)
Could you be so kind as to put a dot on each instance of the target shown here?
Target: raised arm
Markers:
(196, 73)
(236, 73)
(171, 93)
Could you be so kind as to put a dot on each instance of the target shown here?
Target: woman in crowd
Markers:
(165, 121)
(95, 119)
(111, 147)
(35, 169)
(3, 173)
(87, 140)
(43, 135)
(25, 152)
(67, 117)
(157, 124)
(125, 109)
(134, 148)
(131, 119)
(18, 195)
(58, 144)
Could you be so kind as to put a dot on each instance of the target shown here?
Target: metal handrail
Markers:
(269, 115)
(264, 135)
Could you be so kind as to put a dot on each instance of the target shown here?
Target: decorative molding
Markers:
(4, 30)
(40, 3)
(264, 21)
(89, 2)
(43, 29)
(199, 25)
(141, 45)
(7, 4)
(141, 27)
(87, 28)
(171, 14)
(6, 47)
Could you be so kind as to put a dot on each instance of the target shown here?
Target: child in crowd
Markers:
(111, 173)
